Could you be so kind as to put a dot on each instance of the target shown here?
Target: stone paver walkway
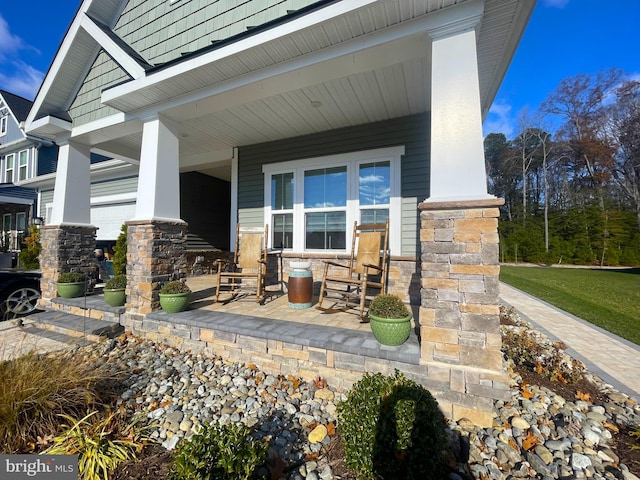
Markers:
(16, 341)
(612, 358)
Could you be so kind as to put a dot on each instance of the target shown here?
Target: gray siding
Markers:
(87, 107)
(13, 131)
(100, 189)
(47, 160)
(412, 132)
(114, 187)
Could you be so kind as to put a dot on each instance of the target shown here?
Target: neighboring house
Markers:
(22, 157)
(304, 115)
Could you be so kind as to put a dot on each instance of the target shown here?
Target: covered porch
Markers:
(340, 88)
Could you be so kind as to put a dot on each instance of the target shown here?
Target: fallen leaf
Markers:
(583, 396)
(526, 393)
(610, 426)
(514, 445)
(331, 429)
(530, 441)
(320, 382)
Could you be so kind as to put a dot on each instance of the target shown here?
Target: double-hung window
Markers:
(9, 166)
(23, 164)
(4, 121)
(311, 204)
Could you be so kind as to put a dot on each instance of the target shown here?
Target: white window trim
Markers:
(26, 166)
(13, 169)
(18, 216)
(352, 161)
(4, 125)
(4, 217)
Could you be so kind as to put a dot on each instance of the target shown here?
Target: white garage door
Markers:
(109, 219)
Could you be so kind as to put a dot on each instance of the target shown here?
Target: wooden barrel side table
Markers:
(300, 291)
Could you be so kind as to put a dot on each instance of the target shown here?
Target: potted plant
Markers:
(114, 291)
(175, 296)
(390, 319)
(71, 284)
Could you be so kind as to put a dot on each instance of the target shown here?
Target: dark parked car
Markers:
(19, 292)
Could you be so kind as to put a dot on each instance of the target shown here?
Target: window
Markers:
(21, 221)
(6, 222)
(9, 161)
(23, 163)
(4, 120)
(311, 204)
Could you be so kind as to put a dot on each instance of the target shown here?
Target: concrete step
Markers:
(76, 325)
(92, 306)
(56, 336)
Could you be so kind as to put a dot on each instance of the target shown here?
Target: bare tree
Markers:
(580, 102)
(624, 130)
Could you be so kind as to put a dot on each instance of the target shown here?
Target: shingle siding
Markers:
(412, 132)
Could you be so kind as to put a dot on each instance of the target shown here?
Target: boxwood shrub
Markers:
(392, 428)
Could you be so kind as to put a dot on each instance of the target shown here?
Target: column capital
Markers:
(458, 20)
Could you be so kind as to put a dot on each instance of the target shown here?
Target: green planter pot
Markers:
(71, 290)
(115, 297)
(390, 331)
(174, 302)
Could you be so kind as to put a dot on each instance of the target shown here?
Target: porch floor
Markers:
(275, 320)
(275, 307)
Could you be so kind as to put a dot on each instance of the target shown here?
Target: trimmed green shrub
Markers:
(392, 428)
(71, 277)
(388, 306)
(221, 452)
(120, 252)
(175, 286)
(119, 281)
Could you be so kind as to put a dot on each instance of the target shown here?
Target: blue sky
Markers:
(563, 38)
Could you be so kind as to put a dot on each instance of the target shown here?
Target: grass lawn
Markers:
(607, 298)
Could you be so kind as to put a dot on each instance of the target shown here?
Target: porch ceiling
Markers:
(367, 65)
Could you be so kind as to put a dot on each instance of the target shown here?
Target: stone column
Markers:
(156, 236)
(459, 312)
(69, 239)
(66, 248)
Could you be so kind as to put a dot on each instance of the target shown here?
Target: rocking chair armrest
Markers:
(335, 264)
(370, 265)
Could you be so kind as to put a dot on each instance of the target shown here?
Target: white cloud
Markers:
(16, 76)
(9, 44)
(24, 80)
(499, 120)
(555, 3)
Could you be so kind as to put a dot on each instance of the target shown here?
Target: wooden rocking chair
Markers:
(364, 276)
(249, 263)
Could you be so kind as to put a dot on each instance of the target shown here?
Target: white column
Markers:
(72, 191)
(457, 150)
(158, 180)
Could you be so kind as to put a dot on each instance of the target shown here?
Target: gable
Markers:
(13, 109)
(87, 106)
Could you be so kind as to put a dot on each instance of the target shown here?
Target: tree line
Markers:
(571, 177)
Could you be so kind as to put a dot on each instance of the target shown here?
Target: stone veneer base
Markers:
(459, 310)
(339, 355)
(65, 248)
